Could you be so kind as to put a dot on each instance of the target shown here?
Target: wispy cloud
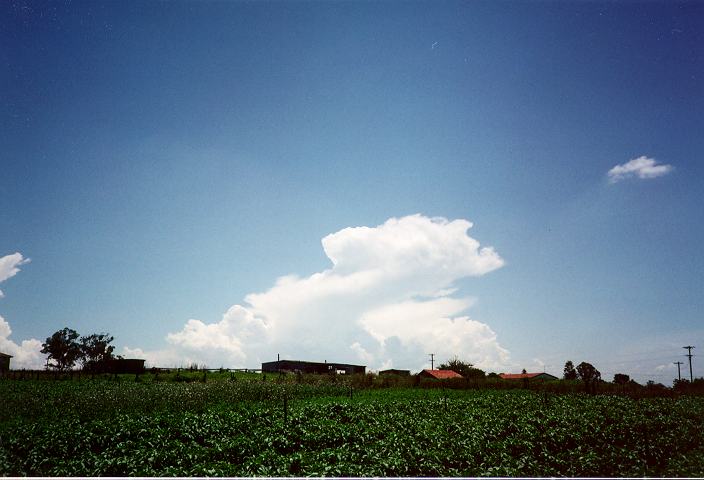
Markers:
(665, 366)
(642, 167)
(387, 300)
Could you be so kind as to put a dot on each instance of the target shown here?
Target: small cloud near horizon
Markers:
(642, 167)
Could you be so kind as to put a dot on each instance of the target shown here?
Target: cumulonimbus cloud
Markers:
(642, 167)
(386, 300)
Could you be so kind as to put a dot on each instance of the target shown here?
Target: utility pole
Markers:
(432, 361)
(689, 354)
(678, 363)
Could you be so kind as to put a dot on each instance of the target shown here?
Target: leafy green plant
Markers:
(223, 428)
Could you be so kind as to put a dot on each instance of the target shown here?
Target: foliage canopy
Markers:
(466, 369)
(62, 348)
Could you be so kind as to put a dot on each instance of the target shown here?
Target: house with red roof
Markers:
(528, 376)
(439, 374)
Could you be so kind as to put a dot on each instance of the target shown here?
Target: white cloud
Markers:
(385, 300)
(9, 266)
(434, 326)
(538, 365)
(160, 358)
(224, 341)
(26, 355)
(641, 167)
(361, 353)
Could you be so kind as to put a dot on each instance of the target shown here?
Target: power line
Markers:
(615, 355)
(616, 362)
(640, 374)
(643, 352)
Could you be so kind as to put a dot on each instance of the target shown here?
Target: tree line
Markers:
(66, 347)
(585, 371)
(588, 374)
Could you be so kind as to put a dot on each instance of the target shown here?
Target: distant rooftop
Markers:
(443, 374)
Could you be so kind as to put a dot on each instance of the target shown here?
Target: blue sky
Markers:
(162, 161)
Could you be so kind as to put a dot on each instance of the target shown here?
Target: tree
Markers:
(570, 373)
(621, 379)
(96, 350)
(467, 370)
(589, 375)
(62, 348)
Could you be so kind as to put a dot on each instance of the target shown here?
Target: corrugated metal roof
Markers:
(517, 376)
(443, 374)
(306, 362)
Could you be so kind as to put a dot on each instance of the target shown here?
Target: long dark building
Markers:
(312, 367)
(124, 365)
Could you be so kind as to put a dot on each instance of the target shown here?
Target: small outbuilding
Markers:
(528, 376)
(395, 371)
(4, 362)
(439, 374)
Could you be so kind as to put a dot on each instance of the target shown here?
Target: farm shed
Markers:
(439, 374)
(4, 362)
(394, 371)
(311, 367)
(527, 376)
(125, 365)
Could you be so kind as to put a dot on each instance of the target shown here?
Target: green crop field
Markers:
(248, 427)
